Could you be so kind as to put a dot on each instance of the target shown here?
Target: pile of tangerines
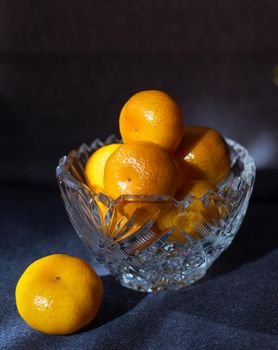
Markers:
(160, 156)
(59, 294)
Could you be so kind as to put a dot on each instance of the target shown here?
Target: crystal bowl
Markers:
(122, 234)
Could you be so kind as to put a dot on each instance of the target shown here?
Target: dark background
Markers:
(66, 68)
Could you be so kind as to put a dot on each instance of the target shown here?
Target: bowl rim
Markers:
(241, 155)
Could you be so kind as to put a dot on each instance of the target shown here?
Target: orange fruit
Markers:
(194, 216)
(152, 115)
(94, 169)
(58, 294)
(140, 168)
(202, 155)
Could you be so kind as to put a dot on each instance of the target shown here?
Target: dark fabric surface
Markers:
(234, 307)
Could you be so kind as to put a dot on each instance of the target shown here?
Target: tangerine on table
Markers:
(58, 294)
(152, 115)
(202, 155)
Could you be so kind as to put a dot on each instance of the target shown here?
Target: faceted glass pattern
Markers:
(122, 234)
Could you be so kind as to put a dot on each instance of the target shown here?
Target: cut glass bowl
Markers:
(122, 234)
